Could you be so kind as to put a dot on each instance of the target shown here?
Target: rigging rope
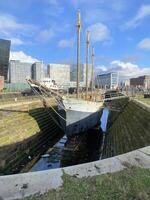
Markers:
(45, 100)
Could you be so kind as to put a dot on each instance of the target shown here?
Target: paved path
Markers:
(18, 104)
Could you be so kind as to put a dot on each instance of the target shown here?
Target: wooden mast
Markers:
(92, 75)
(78, 50)
(87, 60)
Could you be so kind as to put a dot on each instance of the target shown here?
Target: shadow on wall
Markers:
(82, 148)
(15, 156)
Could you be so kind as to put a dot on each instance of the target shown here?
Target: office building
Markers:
(38, 71)
(73, 74)
(4, 57)
(60, 73)
(19, 71)
(141, 81)
(108, 81)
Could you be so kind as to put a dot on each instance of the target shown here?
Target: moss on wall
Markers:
(25, 133)
(130, 131)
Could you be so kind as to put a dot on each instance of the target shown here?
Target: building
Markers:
(38, 71)
(19, 71)
(108, 81)
(141, 81)
(60, 73)
(4, 57)
(1, 83)
(73, 74)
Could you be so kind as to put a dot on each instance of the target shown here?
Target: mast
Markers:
(87, 60)
(92, 75)
(78, 50)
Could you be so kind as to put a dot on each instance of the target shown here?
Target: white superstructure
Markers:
(49, 83)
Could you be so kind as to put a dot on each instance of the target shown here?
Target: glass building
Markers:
(4, 57)
(38, 71)
(73, 73)
(108, 81)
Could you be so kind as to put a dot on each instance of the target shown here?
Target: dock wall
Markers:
(26, 132)
(23, 185)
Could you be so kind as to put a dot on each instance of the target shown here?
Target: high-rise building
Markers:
(60, 73)
(38, 71)
(108, 80)
(19, 71)
(73, 74)
(4, 57)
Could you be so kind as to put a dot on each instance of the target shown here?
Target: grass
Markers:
(142, 99)
(130, 184)
(17, 123)
(128, 132)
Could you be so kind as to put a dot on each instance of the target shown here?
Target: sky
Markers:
(45, 30)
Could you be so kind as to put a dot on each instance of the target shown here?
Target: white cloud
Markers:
(46, 35)
(99, 32)
(143, 12)
(66, 43)
(20, 55)
(125, 69)
(11, 29)
(9, 22)
(16, 41)
(144, 44)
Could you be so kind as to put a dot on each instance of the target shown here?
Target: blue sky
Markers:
(45, 30)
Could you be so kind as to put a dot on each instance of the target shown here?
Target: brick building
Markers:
(141, 81)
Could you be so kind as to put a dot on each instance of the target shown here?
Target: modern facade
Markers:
(141, 81)
(108, 80)
(19, 71)
(73, 74)
(60, 73)
(4, 57)
(38, 71)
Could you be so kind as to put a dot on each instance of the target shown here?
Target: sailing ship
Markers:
(79, 115)
(76, 115)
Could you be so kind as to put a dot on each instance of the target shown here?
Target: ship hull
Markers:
(79, 116)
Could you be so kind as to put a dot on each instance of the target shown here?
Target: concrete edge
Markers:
(141, 104)
(26, 184)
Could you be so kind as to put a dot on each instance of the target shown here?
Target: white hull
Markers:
(80, 115)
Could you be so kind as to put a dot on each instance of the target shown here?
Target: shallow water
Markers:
(51, 160)
(79, 149)
(104, 119)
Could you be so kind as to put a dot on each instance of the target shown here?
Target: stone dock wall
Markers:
(26, 131)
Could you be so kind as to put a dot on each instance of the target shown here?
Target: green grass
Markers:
(142, 99)
(128, 132)
(130, 184)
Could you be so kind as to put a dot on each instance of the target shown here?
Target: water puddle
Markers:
(52, 158)
(78, 149)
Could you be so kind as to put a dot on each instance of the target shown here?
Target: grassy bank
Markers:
(130, 184)
(144, 100)
(130, 131)
(26, 131)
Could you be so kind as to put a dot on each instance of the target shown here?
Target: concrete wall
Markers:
(128, 128)
(60, 73)
(26, 132)
(22, 185)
